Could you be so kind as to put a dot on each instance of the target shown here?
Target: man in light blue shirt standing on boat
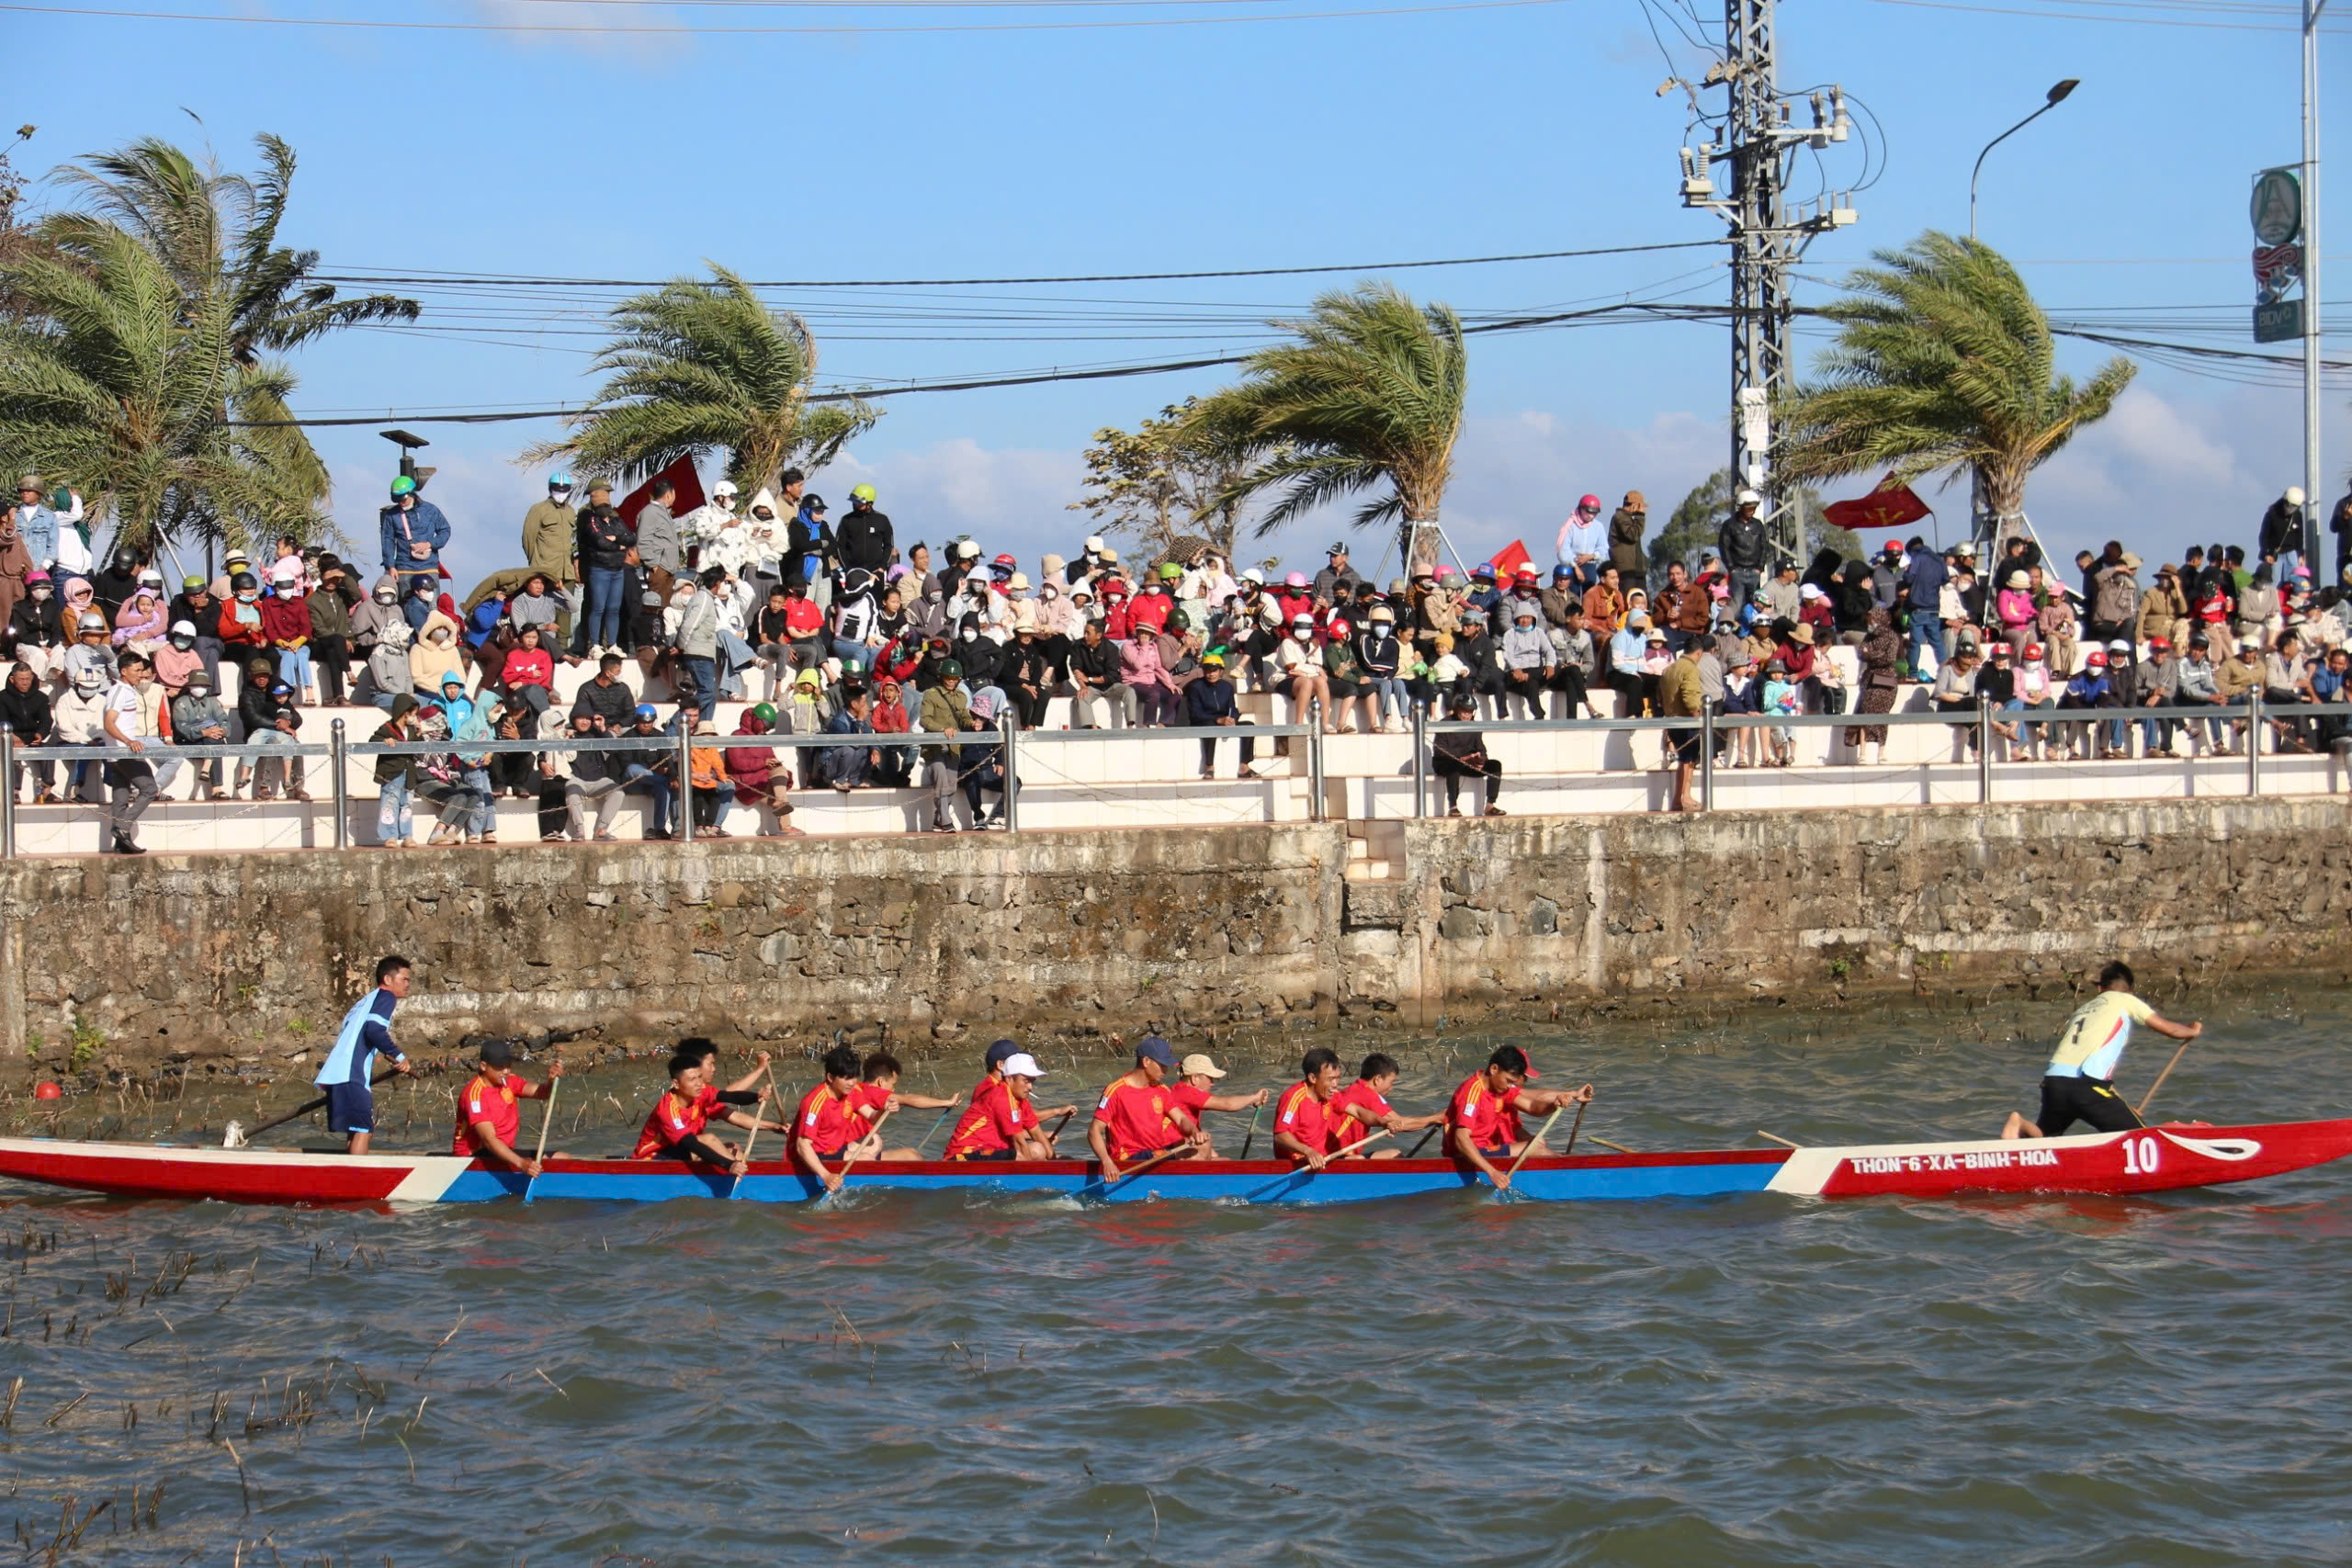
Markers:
(366, 1031)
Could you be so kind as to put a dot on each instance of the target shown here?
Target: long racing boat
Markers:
(2152, 1159)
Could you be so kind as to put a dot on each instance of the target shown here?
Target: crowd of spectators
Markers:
(837, 631)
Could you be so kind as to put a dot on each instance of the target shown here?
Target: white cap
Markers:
(1811, 590)
(723, 487)
(2294, 495)
(2118, 645)
(2247, 644)
(183, 628)
(1094, 543)
(1020, 1064)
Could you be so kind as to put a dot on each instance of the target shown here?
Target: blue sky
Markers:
(1536, 127)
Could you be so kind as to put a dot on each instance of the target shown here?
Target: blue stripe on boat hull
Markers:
(1256, 1181)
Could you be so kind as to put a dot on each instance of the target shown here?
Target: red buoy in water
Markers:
(49, 1091)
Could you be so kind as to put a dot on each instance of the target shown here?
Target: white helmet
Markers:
(1748, 498)
(2294, 495)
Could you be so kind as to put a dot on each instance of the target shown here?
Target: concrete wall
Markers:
(247, 954)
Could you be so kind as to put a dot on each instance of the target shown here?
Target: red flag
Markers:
(1513, 557)
(1889, 506)
(681, 474)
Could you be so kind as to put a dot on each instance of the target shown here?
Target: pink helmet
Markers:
(1589, 503)
(1294, 579)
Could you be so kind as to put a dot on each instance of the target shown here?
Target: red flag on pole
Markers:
(1889, 506)
(681, 474)
(1512, 558)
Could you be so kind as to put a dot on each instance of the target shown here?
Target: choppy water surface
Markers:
(927, 1378)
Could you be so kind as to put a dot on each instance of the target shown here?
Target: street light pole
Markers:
(2313, 497)
(2057, 96)
(1977, 529)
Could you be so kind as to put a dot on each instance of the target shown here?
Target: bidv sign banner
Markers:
(2277, 211)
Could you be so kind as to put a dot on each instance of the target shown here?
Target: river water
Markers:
(912, 1378)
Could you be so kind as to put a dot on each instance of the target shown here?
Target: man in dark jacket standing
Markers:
(1746, 545)
(1924, 575)
(863, 538)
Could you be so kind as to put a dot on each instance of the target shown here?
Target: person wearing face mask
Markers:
(114, 586)
(78, 717)
(1299, 661)
(196, 604)
(690, 622)
(199, 719)
(286, 619)
(90, 652)
(266, 709)
(369, 618)
(177, 660)
(551, 539)
(418, 596)
(33, 522)
(24, 711)
(434, 656)
(412, 531)
(36, 629)
(977, 654)
(243, 635)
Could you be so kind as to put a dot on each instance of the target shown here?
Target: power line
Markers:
(519, 280)
(364, 23)
(2090, 17)
(1644, 311)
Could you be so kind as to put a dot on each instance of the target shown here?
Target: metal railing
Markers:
(339, 750)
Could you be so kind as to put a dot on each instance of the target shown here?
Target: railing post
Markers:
(1707, 754)
(1315, 760)
(686, 778)
(341, 793)
(2254, 740)
(1421, 764)
(9, 806)
(1984, 749)
(1008, 727)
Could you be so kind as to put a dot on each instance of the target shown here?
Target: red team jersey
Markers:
(1346, 1131)
(1303, 1116)
(482, 1101)
(989, 1126)
(674, 1121)
(1490, 1117)
(829, 1120)
(1137, 1115)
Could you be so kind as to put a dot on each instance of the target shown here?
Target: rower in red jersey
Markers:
(827, 1126)
(1138, 1117)
(488, 1118)
(1301, 1129)
(878, 1095)
(1362, 1109)
(1195, 1090)
(677, 1127)
(1003, 1122)
(1479, 1120)
(726, 1104)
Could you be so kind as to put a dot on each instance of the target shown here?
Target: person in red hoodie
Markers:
(243, 637)
(1296, 597)
(753, 770)
(286, 622)
(1118, 620)
(890, 718)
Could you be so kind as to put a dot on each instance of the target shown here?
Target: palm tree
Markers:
(1944, 363)
(216, 234)
(698, 368)
(1368, 394)
(116, 380)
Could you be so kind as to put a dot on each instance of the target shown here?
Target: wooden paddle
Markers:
(237, 1137)
(1573, 1128)
(1134, 1170)
(1308, 1171)
(1257, 1111)
(736, 1186)
(1059, 1123)
(1431, 1132)
(2140, 1111)
(1536, 1141)
(1361, 1143)
(1619, 1147)
(539, 1153)
(1777, 1139)
(848, 1166)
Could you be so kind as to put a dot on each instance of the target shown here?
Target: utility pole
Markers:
(2314, 492)
(1761, 146)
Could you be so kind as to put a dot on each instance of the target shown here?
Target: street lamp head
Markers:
(2058, 94)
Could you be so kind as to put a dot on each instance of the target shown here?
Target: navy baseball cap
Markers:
(998, 1052)
(1152, 1049)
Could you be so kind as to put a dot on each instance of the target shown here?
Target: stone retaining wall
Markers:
(252, 955)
